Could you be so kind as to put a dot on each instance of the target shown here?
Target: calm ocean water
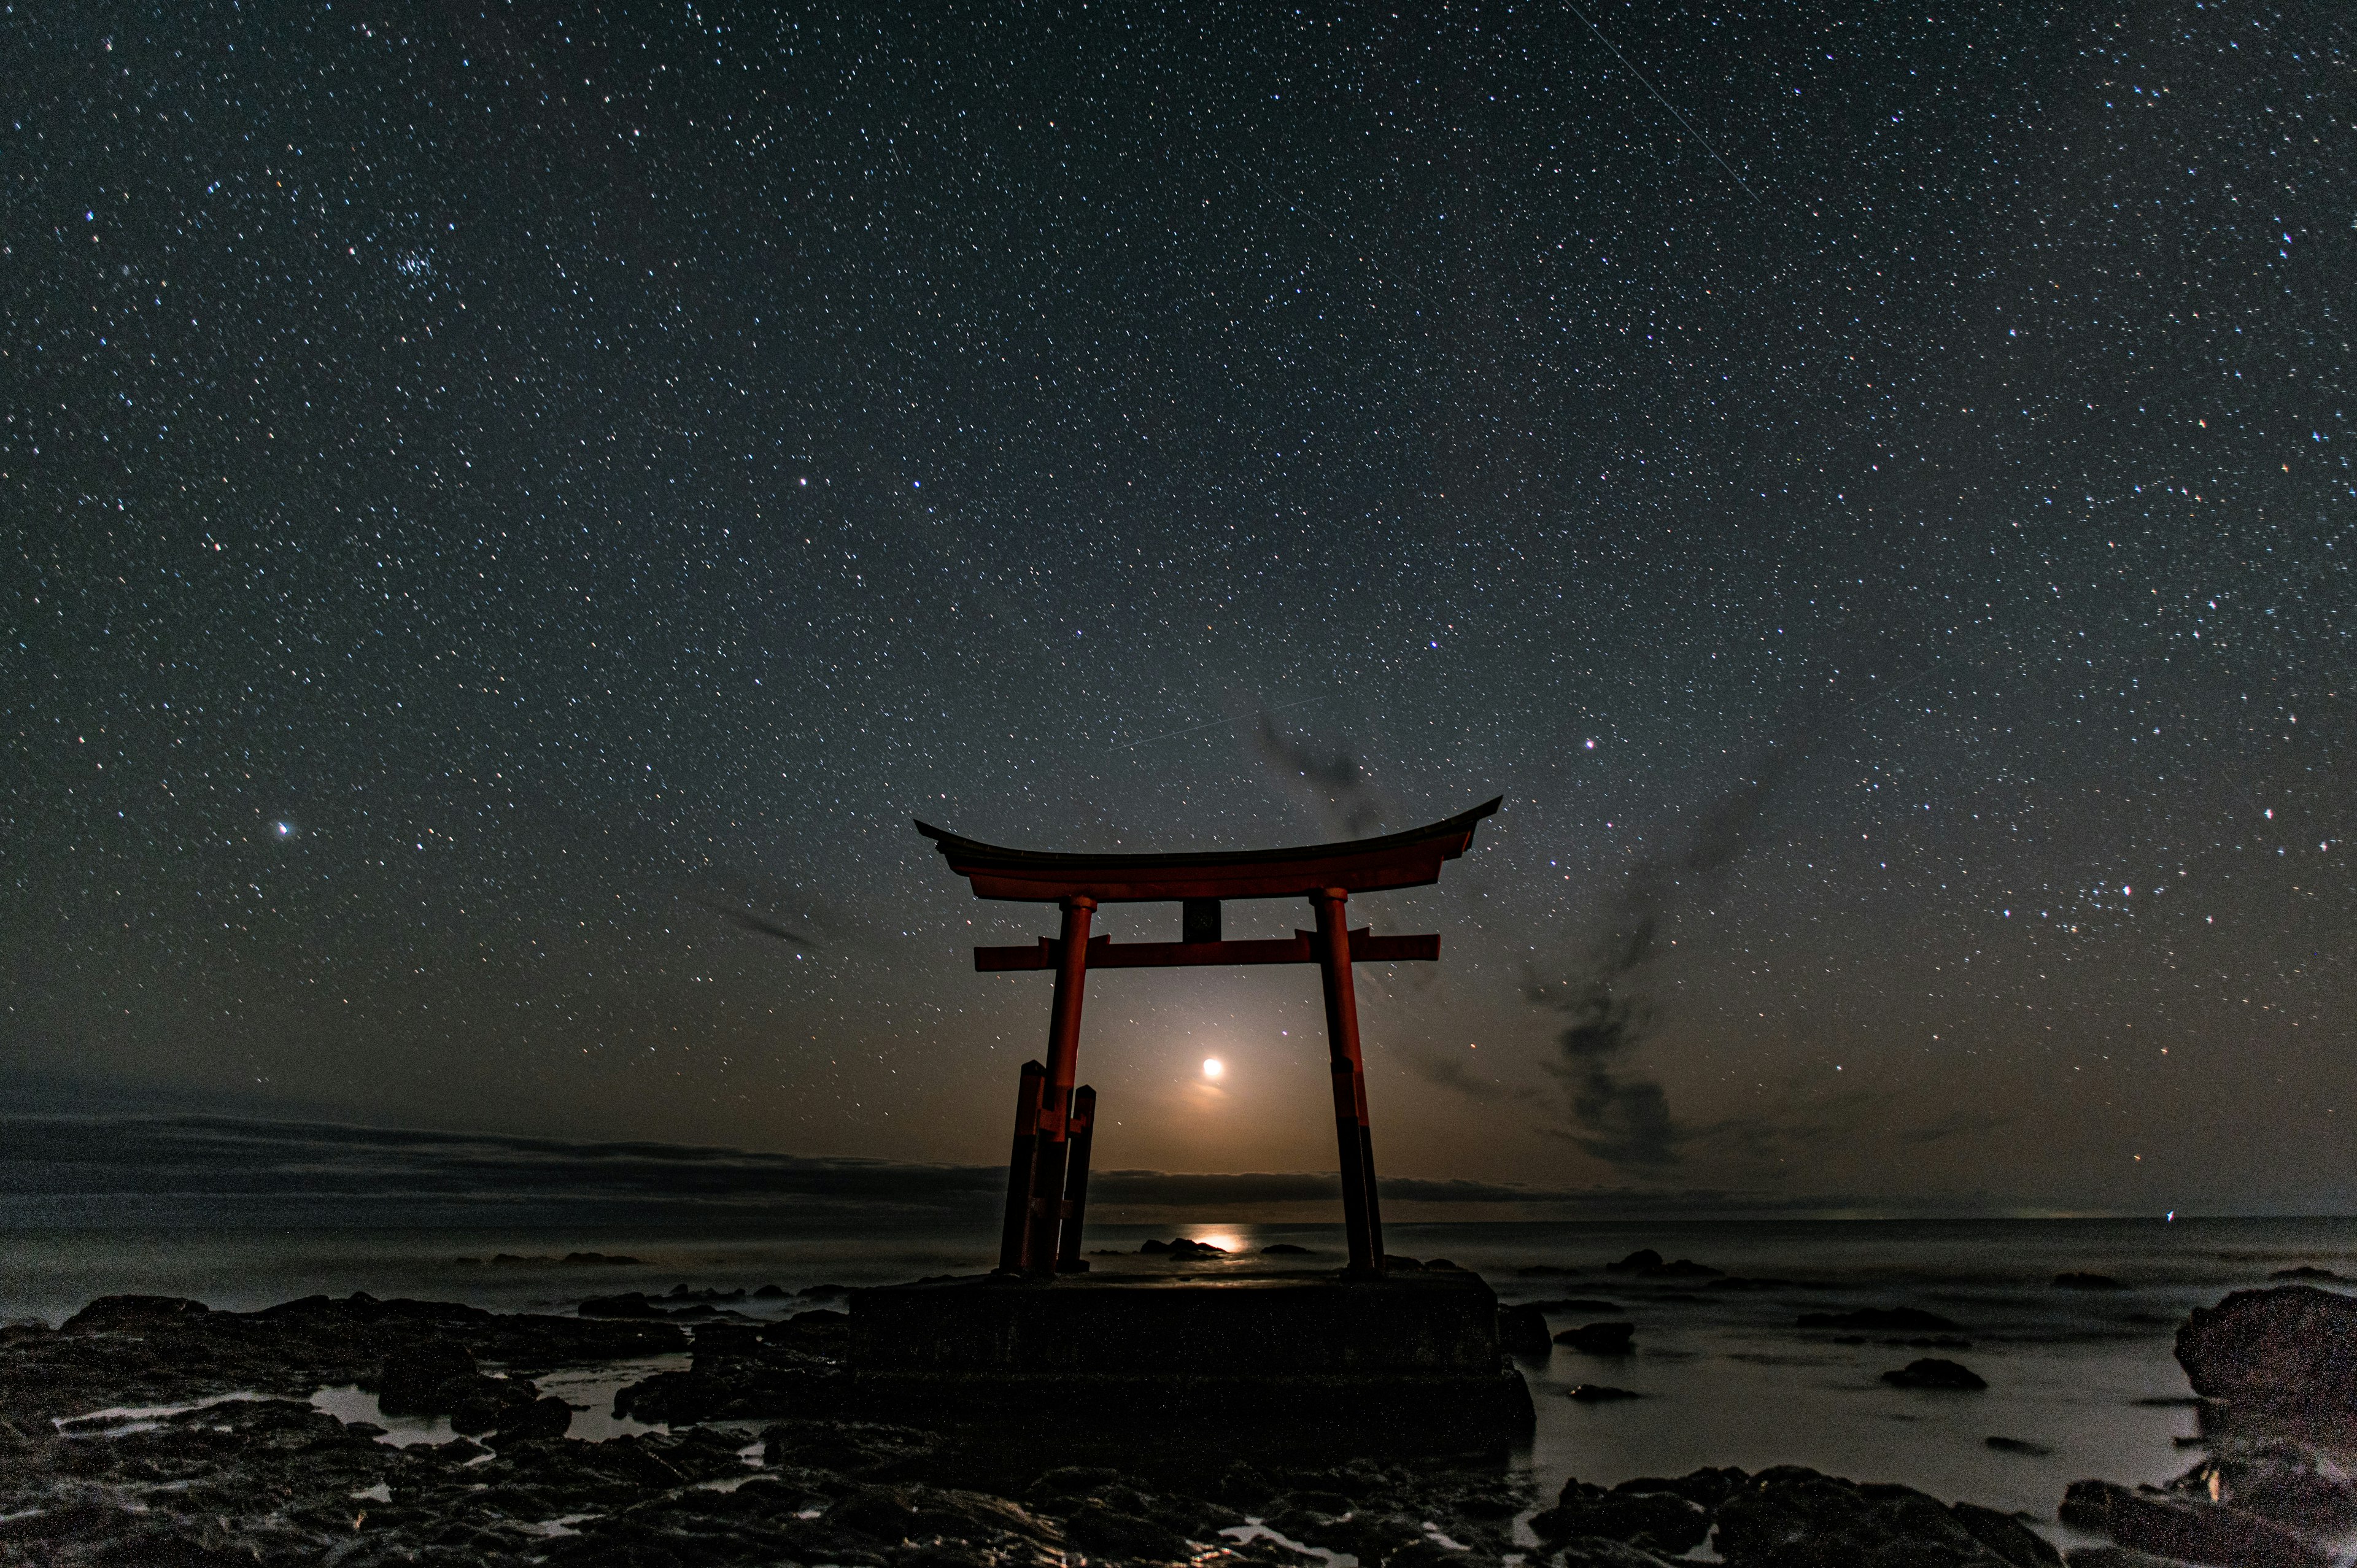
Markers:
(1727, 1377)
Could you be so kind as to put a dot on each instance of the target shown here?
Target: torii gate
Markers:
(1047, 1179)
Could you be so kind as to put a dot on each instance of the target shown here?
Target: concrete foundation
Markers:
(1408, 1362)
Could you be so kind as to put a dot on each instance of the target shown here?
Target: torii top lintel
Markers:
(1410, 859)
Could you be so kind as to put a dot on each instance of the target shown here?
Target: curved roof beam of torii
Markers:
(1410, 859)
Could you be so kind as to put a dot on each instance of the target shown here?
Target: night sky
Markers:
(510, 511)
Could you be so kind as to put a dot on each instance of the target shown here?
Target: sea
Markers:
(2081, 1382)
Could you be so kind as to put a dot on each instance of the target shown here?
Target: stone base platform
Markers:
(1409, 1362)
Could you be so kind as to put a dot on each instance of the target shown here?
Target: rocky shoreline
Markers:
(149, 1430)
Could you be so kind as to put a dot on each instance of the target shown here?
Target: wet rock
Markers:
(1879, 1317)
(2291, 1346)
(868, 1450)
(1789, 1517)
(1097, 1527)
(2080, 1280)
(2283, 1480)
(542, 1418)
(1594, 1552)
(1930, 1372)
(1600, 1338)
(415, 1377)
(132, 1313)
(1598, 1393)
(1182, 1247)
(2118, 1557)
(2202, 1532)
(1657, 1520)
(673, 1399)
(1523, 1331)
(1684, 1269)
(1706, 1488)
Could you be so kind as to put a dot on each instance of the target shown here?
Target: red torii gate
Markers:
(1047, 1185)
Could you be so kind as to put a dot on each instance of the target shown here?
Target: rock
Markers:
(770, 1292)
(1284, 1250)
(1881, 1317)
(1930, 1372)
(415, 1377)
(1658, 1522)
(1636, 1263)
(1523, 1331)
(132, 1313)
(823, 1290)
(2086, 1282)
(1599, 1394)
(1706, 1488)
(630, 1304)
(1594, 1552)
(2291, 1346)
(1183, 1247)
(2201, 1533)
(1684, 1269)
(1108, 1532)
(1394, 1263)
(1789, 1516)
(673, 1399)
(1600, 1338)
(2309, 1271)
(2288, 1483)
(541, 1419)
(2018, 1446)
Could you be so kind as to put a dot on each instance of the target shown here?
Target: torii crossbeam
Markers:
(1047, 1187)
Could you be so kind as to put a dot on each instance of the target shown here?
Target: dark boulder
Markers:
(1684, 1269)
(1284, 1250)
(1658, 1522)
(415, 1375)
(673, 1399)
(2018, 1446)
(1930, 1372)
(1638, 1261)
(2310, 1271)
(1523, 1331)
(630, 1304)
(2292, 1347)
(2201, 1533)
(542, 1419)
(1600, 1338)
(1104, 1530)
(133, 1314)
(2287, 1482)
(1789, 1517)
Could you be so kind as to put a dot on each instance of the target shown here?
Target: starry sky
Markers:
(510, 510)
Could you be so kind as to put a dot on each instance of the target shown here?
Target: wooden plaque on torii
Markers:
(1047, 1183)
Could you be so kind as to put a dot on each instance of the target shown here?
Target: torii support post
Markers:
(1044, 1208)
(1020, 1166)
(1354, 1142)
(1076, 1183)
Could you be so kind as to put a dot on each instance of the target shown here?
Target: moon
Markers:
(1212, 1067)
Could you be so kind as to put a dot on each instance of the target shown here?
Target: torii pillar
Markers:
(1047, 1172)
